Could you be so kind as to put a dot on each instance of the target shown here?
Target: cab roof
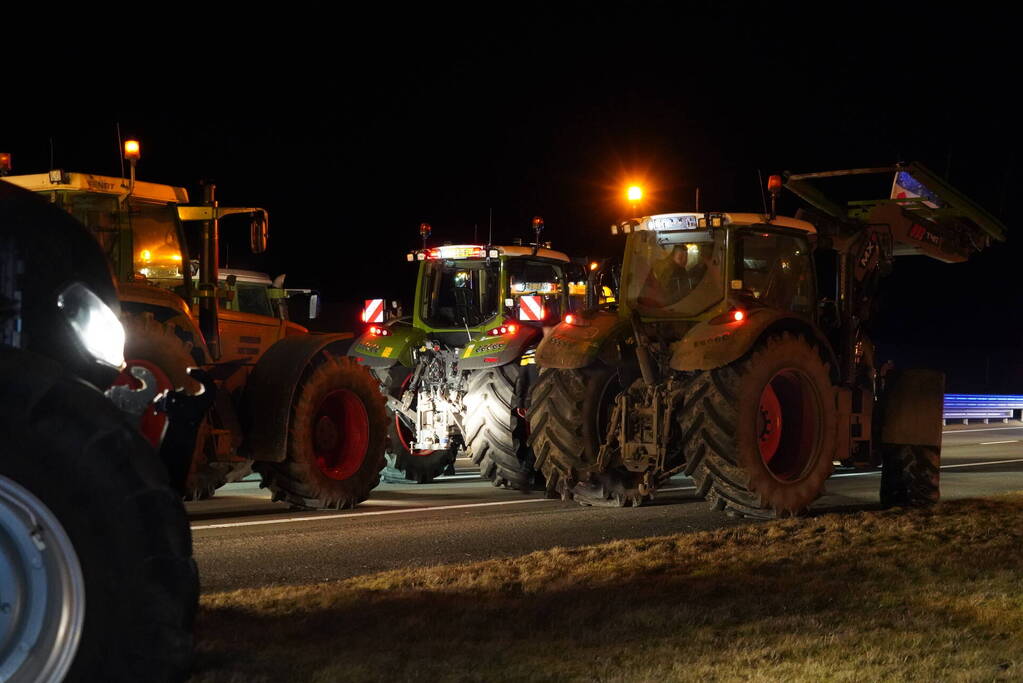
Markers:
(97, 184)
(469, 251)
(697, 221)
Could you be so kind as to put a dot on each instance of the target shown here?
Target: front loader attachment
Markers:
(924, 213)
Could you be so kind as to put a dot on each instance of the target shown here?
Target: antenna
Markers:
(120, 147)
(490, 235)
(475, 232)
(697, 210)
(760, 184)
(51, 152)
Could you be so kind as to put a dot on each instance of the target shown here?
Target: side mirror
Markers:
(259, 231)
(314, 306)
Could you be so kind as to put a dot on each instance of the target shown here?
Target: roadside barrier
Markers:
(986, 407)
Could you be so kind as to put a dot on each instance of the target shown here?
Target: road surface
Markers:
(243, 540)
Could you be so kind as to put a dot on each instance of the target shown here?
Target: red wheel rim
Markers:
(153, 423)
(788, 425)
(769, 424)
(340, 434)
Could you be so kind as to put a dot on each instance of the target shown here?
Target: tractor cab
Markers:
(474, 289)
(693, 267)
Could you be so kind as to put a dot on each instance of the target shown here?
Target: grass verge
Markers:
(894, 595)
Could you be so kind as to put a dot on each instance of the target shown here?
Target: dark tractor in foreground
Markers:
(97, 581)
(739, 353)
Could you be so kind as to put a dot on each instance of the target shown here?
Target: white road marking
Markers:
(986, 429)
(288, 520)
(978, 464)
(944, 467)
(988, 443)
(291, 520)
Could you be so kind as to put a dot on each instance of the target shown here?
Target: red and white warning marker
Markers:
(373, 311)
(531, 308)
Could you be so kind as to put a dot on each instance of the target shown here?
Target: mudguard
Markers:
(575, 346)
(271, 389)
(375, 351)
(490, 352)
(707, 345)
(911, 408)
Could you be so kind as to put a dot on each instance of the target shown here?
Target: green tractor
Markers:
(457, 372)
(738, 354)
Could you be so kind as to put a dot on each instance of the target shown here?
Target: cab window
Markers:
(775, 270)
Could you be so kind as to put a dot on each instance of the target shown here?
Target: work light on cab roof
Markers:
(132, 150)
(5, 163)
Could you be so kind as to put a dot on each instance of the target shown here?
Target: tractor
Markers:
(739, 355)
(97, 580)
(278, 399)
(457, 372)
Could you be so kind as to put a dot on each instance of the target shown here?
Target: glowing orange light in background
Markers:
(634, 193)
(132, 151)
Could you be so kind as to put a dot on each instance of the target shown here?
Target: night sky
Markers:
(352, 130)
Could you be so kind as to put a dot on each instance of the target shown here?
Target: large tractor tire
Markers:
(403, 464)
(496, 434)
(96, 567)
(569, 415)
(335, 447)
(910, 475)
(159, 348)
(759, 434)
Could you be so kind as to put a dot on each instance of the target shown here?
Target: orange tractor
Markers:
(262, 392)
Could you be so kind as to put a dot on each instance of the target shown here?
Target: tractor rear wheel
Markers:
(95, 549)
(910, 475)
(569, 414)
(404, 464)
(336, 442)
(496, 434)
(759, 433)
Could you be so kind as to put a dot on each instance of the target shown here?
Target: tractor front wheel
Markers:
(759, 434)
(336, 442)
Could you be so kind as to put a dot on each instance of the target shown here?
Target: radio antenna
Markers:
(490, 234)
(120, 147)
(760, 184)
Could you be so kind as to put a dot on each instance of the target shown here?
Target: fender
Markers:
(491, 352)
(375, 351)
(271, 389)
(568, 347)
(707, 346)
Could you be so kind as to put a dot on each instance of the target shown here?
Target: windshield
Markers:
(675, 274)
(459, 293)
(157, 250)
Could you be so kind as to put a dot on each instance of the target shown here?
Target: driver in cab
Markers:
(674, 278)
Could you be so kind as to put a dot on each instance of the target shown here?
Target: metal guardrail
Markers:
(985, 407)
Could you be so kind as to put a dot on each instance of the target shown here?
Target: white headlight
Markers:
(98, 329)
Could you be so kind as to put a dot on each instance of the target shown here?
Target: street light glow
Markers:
(635, 193)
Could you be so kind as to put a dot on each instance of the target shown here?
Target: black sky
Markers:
(353, 129)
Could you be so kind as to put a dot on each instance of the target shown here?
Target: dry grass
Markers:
(920, 595)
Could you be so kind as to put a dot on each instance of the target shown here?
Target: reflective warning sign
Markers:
(373, 311)
(531, 308)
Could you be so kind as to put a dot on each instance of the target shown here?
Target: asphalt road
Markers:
(243, 540)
